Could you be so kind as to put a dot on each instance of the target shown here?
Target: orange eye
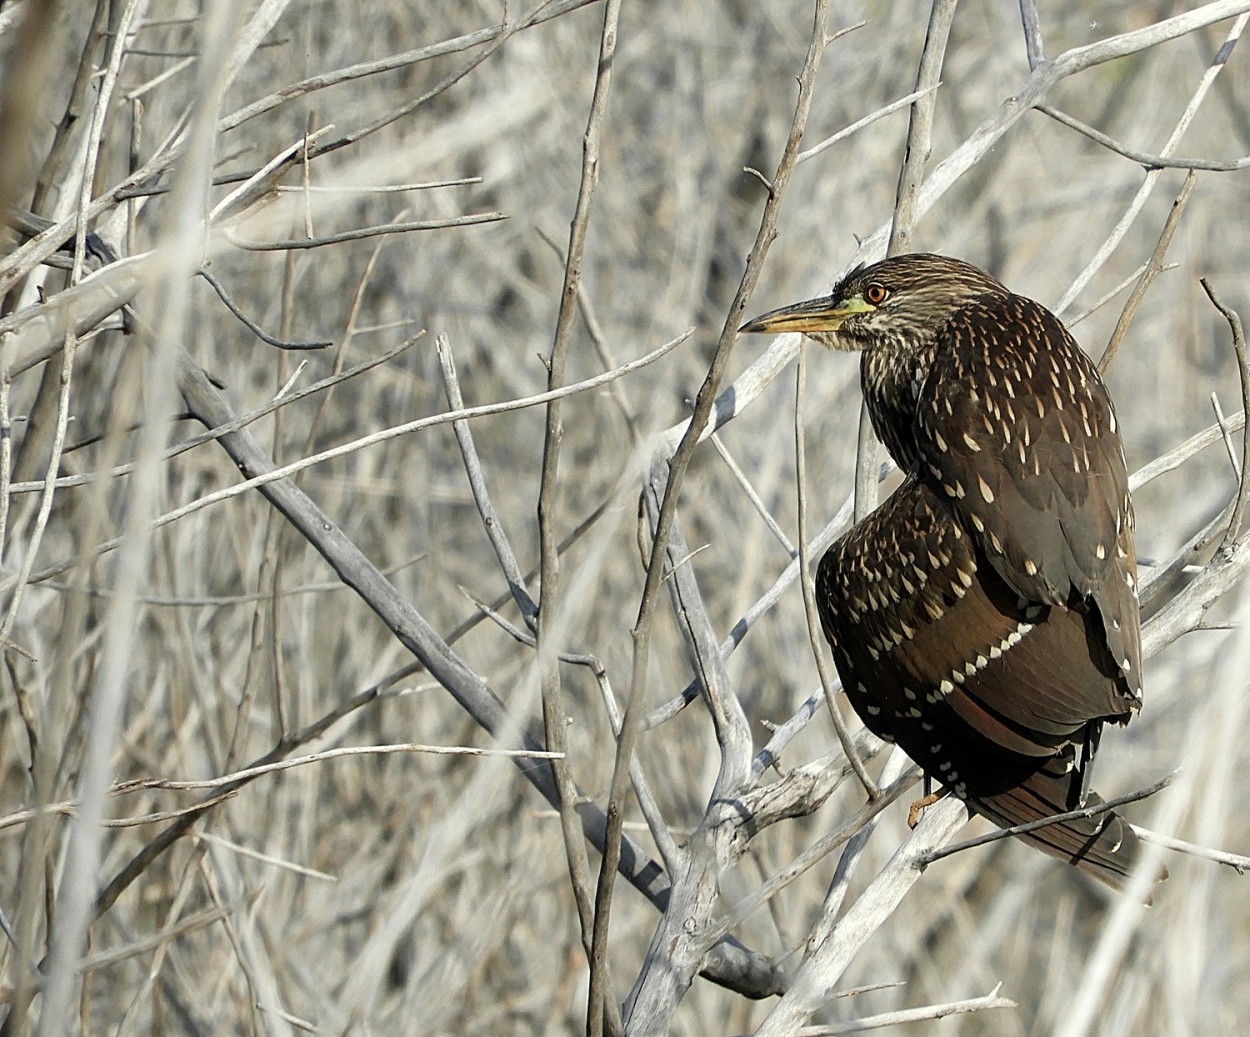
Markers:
(875, 294)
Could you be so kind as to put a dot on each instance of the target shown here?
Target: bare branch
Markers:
(672, 959)
(1239, 862)
(491, 521)
(602, 1009)
(809, 597)
(813, 983)
(251, 325)
(276, 474)
(1033, 46)
(1031, 826)
(235, 777)
(854, 824)
(360, 233)
(1178, 455)
(459, 181)
(867, 120)
(911, 1015)
(1243, 374)
(1153, 267)
(1142, 158)
(1152, 176)
(920, 127)
(752, 495)
(243, 421)
(544, 13)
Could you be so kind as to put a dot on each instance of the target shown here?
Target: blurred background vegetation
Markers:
(411, 893)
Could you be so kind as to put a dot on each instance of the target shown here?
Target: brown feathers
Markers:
(985, 617)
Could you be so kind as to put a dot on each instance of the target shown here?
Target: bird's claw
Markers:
(913, 814)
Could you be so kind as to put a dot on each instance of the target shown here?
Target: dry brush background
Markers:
(400, 891)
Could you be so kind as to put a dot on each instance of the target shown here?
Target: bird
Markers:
(985, 617)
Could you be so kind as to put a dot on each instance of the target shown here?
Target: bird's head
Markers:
(899, 303)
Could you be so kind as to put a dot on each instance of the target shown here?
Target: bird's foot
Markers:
(913, 814)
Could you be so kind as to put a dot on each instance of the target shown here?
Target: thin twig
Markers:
(87, 478)
(246, 774)
(1148, 161)
(1153, 268)
(1098, 304)
(924, 860)
(594, 329)
(1182, 452)
(1243, 373)
(1034, 48)
(69, 808)
(867, 120)
(239, 199)
(752, 495)
(809, 597)
(911, 1015)
(920, 126)
(250, 324)
(1239, 862)
(285, 471)
(815, 853)
(491, 521)
(1226, 434)
(602, 1007)
(361, 233)
(460, 181)
(652, 1000)
(1152, 176)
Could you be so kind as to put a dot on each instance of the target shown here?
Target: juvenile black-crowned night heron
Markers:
(985, 617)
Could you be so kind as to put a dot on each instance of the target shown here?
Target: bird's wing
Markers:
(935, 653)
(1017, 431)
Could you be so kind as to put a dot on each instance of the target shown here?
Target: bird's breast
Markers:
(891, 378)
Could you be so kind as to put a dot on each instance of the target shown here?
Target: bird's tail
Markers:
(1103, 846)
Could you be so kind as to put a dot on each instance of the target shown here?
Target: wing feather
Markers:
(1018, 430)
(925, 632)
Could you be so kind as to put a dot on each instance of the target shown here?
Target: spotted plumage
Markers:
(985, 617)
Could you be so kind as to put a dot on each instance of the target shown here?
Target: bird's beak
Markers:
(815, 315)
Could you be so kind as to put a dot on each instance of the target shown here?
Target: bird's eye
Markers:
(875, 294)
